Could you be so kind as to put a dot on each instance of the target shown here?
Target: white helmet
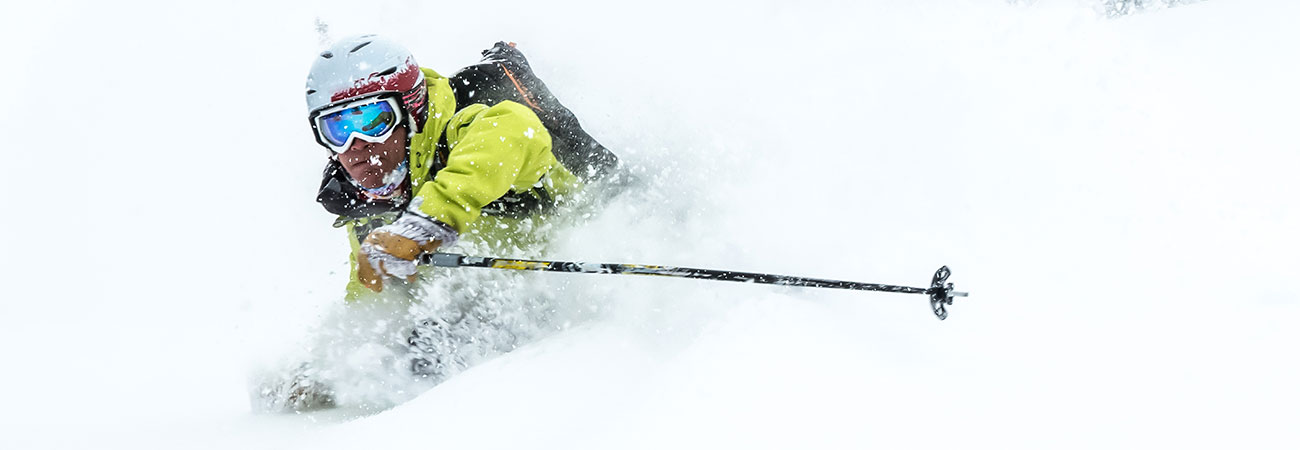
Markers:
(368, 65)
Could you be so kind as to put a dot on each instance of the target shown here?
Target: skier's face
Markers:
(368, 162)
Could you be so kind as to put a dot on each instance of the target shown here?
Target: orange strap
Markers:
(523, 92)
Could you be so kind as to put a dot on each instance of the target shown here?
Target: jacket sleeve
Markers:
(494, 150)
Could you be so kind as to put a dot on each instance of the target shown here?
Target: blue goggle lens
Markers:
(371, 119)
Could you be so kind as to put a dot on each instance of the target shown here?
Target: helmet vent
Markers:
(311, 91)
(363, 44)
(388, 71)
(326, 55)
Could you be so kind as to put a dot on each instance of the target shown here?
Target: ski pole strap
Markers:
(940, 294)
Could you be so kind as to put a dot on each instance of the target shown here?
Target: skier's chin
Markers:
(367, 175)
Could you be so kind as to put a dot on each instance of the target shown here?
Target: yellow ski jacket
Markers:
(492, 151)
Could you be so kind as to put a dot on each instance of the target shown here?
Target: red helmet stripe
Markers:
(404, 79)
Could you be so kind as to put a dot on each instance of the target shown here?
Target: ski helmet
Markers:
(364, 66)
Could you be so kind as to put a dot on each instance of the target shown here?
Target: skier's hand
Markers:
(391, 250)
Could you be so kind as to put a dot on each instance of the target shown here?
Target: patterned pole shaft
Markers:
(941, 294)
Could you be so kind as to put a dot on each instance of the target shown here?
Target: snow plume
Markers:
(374, 354)
(323, 33)
(368, 356)
(353, 359)
(1117, 8)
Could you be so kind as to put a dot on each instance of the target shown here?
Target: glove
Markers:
(391, 250)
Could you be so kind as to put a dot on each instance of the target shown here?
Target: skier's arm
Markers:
(494, 150)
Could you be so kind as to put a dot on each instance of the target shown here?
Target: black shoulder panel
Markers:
(504, 74)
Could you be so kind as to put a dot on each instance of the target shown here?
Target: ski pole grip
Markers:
(441, 259)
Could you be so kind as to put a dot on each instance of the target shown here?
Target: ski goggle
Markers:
(371, 119)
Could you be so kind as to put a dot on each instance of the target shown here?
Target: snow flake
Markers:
(530, 132)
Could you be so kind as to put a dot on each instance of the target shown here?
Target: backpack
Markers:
(504, 74)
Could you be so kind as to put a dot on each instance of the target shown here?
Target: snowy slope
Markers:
(1117, 196)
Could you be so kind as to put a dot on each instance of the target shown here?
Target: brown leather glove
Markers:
(391, 250)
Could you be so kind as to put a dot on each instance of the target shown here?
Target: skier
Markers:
(415, 158)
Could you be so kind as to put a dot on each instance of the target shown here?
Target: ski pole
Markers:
(940, 292)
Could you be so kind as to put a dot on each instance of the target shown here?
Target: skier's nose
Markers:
(359, 146)
(359, 150)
